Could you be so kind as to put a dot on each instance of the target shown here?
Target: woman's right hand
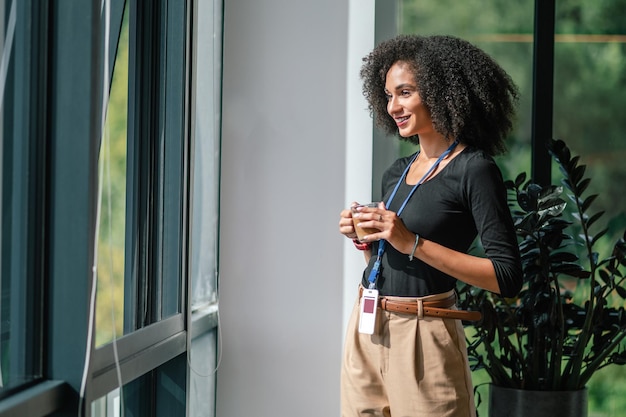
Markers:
(346, 227)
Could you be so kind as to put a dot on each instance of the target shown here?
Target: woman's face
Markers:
(404, 104)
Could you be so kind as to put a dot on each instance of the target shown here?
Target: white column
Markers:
(359, 136)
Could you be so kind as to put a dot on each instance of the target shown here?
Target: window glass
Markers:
(158, 393)
(206, 83)
(203, 370)
(508, 40)
(590, 95)
(206, 133)
(172, 185)
(142, 172)
(107, 406)
(111, 229)
(21, 193)
(589, 98)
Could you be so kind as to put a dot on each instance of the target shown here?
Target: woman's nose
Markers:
(392, 105)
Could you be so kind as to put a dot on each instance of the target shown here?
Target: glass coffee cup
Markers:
(362, 231)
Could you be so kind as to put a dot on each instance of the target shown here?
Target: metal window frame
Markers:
(543, 90)
(26, 261)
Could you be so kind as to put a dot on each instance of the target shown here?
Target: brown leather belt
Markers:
(431, 308)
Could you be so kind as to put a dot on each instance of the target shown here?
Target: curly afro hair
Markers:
(469, 96)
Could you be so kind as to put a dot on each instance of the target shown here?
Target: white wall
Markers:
(291, 105)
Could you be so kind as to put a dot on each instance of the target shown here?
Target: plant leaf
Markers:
(571, 269)
(605, 277)
(563, 257)
(594, 218)
(582, 186)
(551, 207)
(573, 162)
(598, 235)
(576, 171)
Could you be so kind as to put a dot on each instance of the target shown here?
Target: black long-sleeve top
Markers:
(467, 198)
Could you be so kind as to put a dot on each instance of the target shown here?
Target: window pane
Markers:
(111, 243)
(589, 98)
(508, 40)
(22, 200)
(205, 202)
(202, 375)
(171, 125)
(156, 177)
(107, 406)
(590, 95)
(158, 393)
(207, 73)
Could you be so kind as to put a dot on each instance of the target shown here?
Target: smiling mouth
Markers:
(401, 120)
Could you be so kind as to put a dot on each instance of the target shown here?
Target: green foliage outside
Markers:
(589, 95)
(110, 283)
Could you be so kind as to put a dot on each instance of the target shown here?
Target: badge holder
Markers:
(369, 306)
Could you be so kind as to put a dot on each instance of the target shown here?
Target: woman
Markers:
(455, 102)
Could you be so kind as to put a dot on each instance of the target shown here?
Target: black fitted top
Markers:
(467, 198)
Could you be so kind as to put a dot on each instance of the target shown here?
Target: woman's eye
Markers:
(406, 93)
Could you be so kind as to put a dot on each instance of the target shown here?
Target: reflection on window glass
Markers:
(110, 284)
(20, 191)
(506, 36)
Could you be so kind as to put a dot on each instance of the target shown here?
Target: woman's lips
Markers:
(401, 121)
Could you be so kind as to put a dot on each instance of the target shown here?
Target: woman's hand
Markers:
(346, 227)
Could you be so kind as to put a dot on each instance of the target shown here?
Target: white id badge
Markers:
(367, 318)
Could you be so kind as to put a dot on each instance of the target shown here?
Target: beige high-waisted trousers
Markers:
(407, 368)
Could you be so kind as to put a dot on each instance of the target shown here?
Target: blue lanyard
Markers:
(381, 244)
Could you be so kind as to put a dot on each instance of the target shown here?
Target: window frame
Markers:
(26, 77)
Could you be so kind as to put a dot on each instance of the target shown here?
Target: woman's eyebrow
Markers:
(403, 85)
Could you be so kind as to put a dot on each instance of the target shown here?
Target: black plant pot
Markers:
(510, 402)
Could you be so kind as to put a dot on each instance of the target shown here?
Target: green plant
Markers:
(562, 327)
